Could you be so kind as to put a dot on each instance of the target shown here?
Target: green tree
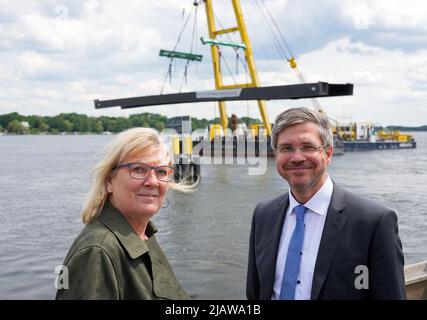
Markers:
(39, 123)
(43, 127)
(16, 127)
(104, 120)
(85, 125)
(67, 125)
(6, 118)
(112, 125)
(81, 122)
(137, 120)
(160, 125)
(199, 123)
(56, 122)
(123, 124)
(98, 127)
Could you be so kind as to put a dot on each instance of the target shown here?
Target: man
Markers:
(320, 241)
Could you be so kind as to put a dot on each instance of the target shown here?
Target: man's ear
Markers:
(329, 153)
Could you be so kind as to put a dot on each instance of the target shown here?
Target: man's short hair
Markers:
(294, 116)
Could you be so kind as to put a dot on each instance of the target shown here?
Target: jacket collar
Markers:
(117, 224)
(334, 225)
(273, 240)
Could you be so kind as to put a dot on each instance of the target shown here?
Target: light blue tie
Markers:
(293, 259)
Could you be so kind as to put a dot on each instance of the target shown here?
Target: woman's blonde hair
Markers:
(128, 141)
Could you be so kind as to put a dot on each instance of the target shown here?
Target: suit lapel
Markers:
(334, 225)
(274, 240)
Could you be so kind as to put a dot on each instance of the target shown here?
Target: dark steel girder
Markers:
(294, 91)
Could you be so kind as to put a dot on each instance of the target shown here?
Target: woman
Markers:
(116, 256)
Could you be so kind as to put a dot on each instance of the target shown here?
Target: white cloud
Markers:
(358, 47)
(367, 77)
(361, 13)
(31, 63)
(57, 56)
(387, 83)
(37, 66)
(386, 13)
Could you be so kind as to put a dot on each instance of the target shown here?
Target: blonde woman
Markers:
(116, 256)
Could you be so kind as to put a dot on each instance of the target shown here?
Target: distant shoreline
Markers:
(58, 134)
(76, 124)
(114, 133)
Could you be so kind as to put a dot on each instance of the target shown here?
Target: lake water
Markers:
(44, 179)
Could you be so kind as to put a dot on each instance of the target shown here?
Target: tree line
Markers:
(15, 123)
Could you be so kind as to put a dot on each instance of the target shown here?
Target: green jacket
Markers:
(109, 261)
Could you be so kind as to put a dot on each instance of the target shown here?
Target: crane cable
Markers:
(291, 60)
(273, 35)
(227, 66)
(278, 29)
(258, 39)
(238, 58)
(194, 36)
(169, 72)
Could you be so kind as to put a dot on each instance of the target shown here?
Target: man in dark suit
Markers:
(319, 241)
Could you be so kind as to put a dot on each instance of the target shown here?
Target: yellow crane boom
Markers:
(219, 84)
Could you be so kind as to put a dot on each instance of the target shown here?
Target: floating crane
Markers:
(361, 135)
(251, 90)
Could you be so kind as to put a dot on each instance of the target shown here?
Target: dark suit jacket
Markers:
(356, 232)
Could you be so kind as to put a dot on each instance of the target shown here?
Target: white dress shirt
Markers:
(314, 220)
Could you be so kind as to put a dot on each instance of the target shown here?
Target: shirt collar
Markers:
(117, 224)
(319, 202)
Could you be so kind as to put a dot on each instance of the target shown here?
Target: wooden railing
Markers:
(416, 281)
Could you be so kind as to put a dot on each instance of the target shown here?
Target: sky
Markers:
(58, 56)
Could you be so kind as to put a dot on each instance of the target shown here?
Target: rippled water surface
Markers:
(43, 181)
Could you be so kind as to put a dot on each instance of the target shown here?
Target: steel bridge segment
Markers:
(295, 91)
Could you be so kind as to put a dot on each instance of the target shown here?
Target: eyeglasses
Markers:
(305, 149)
(141, 171)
